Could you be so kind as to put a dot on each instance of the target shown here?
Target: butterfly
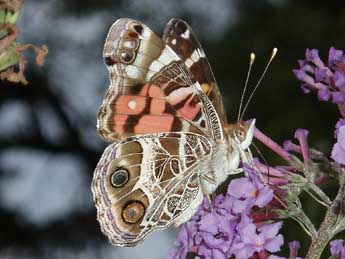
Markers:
(171, 143)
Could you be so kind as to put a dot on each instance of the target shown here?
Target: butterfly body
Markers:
(171, 142)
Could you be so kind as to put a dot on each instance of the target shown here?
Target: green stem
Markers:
(332, 224)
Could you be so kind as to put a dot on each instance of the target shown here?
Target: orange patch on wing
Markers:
(157, 106)
(154, 124)
(206, 88)
(128, 104)
(119, 122)
(156, 91)
(144, 91)
(189, 111)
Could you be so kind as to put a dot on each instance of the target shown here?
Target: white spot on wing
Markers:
(179, 94)
(173, 42)
(132, 104)
(166, 57)
(129, 44)
(156, 66)
(188, 62)
(186, 34)
(194, 57)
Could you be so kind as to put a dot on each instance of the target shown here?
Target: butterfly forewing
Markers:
(181, 38)
(151, 88)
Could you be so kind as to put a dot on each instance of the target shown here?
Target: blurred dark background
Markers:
(48, 143)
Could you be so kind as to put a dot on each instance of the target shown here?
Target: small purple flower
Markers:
(324, 94)
(338, 97)
(312, 55)
(338, 151)
(335, 57)
(338, 248)
(301, 135)
(251, 189)
(339, 80)
(341, 122)
(251, 239)
(321, 75)
(294, 247)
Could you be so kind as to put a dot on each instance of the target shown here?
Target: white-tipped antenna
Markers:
(274, 52)
(251, 62)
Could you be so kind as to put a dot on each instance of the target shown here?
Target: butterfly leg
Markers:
(210, 196)
(235, 171)
(247, 157)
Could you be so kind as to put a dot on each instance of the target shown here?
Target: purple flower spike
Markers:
(338, 151)
(301, 135)
(328, 82)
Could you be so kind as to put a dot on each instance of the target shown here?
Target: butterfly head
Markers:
(242, 133)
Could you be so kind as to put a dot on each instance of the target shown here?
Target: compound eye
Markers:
(240, 135)
(119, 178)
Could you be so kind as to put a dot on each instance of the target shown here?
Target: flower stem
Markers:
(332, 224)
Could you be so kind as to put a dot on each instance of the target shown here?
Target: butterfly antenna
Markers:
(251, 61)
(274, 52)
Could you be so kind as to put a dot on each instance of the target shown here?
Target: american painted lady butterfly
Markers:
(171, 141)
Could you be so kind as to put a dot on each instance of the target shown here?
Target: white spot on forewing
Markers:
(132, 104)
(188, 62)
(135, 72)
(186, 34)
(179, 94)
(167, 56)
(156, 66)
(195, 55)
(173, 42)
(201, 53)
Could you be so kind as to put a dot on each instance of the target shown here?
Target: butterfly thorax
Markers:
(227, 152)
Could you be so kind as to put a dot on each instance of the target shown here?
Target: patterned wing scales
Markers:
(180, 37)
(151, 89)
(148, 182)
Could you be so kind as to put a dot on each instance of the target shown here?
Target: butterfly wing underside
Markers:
(151, 89)
(148, 182)
(163, 124)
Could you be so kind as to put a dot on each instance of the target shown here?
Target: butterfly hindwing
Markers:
(181, 38)
(148, 182)
(151, 88)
